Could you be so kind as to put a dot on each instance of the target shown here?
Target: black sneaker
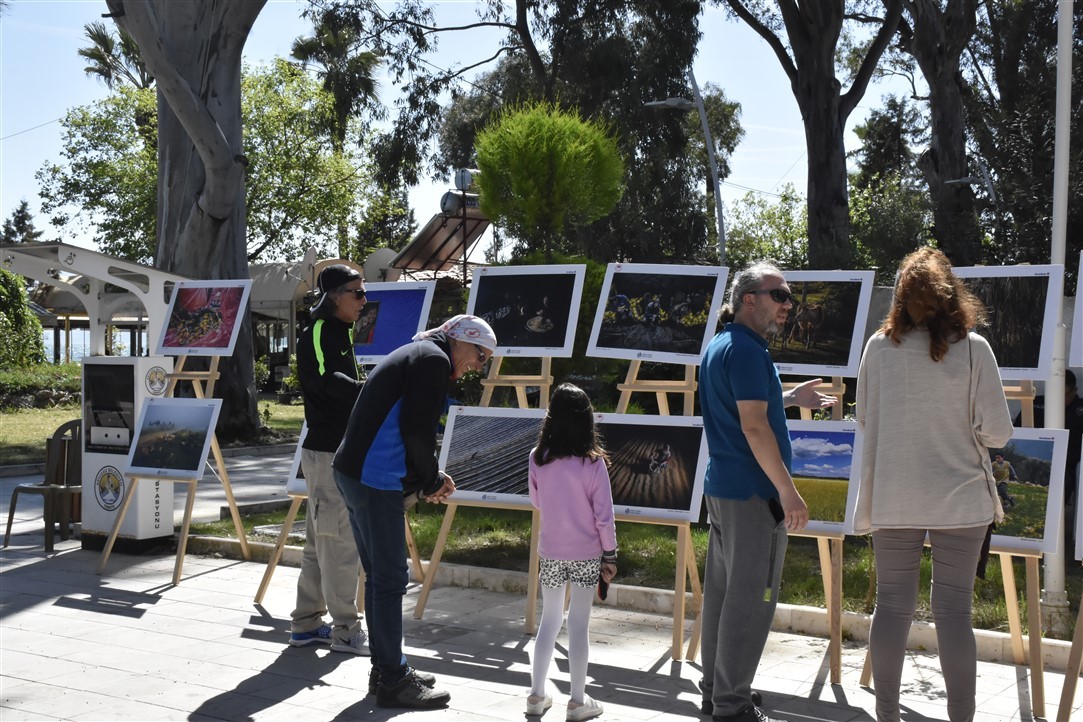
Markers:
(751, 713)
(706, 706)
(411, 693)
(374, 678)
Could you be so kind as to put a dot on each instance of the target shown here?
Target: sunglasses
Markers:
(481, 355)
(778, 295)
(358, 293)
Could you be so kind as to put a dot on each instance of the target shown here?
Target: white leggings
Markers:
(552, 619)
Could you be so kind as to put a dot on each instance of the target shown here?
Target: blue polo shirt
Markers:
(737, 367)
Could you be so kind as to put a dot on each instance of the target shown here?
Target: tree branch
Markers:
(849, 100)
(762, 30)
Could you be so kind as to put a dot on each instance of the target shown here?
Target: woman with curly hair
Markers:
(931, 404)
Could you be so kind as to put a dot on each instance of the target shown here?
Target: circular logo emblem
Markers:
(156, 381)
(109, 487)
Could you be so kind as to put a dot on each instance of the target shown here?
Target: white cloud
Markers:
(811, 447)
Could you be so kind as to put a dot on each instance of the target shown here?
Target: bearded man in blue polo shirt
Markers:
(750, 495)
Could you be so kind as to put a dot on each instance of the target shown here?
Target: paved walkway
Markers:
(130, 646)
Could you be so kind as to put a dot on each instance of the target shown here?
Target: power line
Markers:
(42, 125)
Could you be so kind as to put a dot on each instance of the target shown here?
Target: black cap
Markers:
(329, 279)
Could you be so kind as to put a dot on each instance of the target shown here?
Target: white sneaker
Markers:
(589, 709)
(537, 704)
(358, 643)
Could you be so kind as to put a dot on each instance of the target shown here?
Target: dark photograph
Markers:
(1016, 307)
(529, 311)
(653, 467)
(655, 312)
(489, 455)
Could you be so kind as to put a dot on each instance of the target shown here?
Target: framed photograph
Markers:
(1022, 303)
(392, 315)
(657, 313)
(1033, 493)
(532, 309)
(825, 330)
(656, 461)
(173, 438)
(204, 318)
(826, 461)
(1075, 351)
(1078, 514)
(295, 480)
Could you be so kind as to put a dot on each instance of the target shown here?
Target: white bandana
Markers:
(469, 329)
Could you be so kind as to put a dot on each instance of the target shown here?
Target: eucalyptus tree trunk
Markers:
(939, 39)
(193, 49)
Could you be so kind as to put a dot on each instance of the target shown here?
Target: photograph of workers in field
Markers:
(1021, 303)
(657, 312)
(656, 467)
(1029, 477)
(533, 309)
(393, 313)
(825, 455)
(824, 331)
(174, 437)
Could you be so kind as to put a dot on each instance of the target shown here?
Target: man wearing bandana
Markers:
(388, 452)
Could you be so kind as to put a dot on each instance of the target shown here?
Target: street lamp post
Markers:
(686, 105)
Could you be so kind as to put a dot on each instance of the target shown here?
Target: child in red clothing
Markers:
(569, 484)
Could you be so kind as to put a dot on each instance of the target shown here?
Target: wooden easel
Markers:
(198, 379)
(283, 536)
(182, 543)
(544, 380)
(659, 387)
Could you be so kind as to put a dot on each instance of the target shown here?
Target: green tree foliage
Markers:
(297, 187)
(19, 228)
(761, 229)
(1011, 118)
(889, 218)
(23, 345)
(114, 59)
(387, 222)
(888, 138)
(544, 170)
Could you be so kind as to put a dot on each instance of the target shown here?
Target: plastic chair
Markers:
(62, 487)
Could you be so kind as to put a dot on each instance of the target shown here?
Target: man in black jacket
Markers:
(329, 384)
(389, 451)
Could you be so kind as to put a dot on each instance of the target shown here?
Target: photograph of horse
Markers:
(820, 327)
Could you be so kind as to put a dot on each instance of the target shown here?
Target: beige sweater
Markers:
(928, 427)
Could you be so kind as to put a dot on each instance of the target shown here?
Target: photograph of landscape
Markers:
(825, 455)
(1034, 502)
(174, 437)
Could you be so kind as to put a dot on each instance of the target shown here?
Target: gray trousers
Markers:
(330, 564)
(955, 561)
(740, 590)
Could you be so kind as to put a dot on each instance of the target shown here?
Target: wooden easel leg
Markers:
(831, 569)
(697, 601)
(626, 394)
(1011, 599)
(411, 549)
(434, 561)
(1071, 674)
(108, 549)
(276, 553)
(866, 670)
(533, 565)
(678, 591)
(690, 395)
(182, 543)
(1034, 624)
(663, 403)
(233, 511)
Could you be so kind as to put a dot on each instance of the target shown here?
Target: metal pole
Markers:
(714, 168)
(1055, 613)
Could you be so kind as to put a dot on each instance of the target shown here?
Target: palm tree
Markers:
(114, 61)
(346, 72)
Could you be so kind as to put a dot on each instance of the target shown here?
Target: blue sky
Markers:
(826, 454)
(41, 77)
